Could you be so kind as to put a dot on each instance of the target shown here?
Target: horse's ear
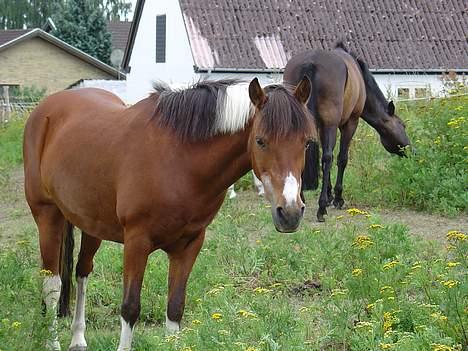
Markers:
(256, 93)
(391, 108)
(303, 89)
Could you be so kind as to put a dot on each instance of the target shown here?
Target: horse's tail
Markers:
(66, 269)
(310, 176)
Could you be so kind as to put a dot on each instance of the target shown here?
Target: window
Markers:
(403, 93)
(420, 92)
(161, 38)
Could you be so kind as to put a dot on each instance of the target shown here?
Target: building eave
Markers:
(37, 32)
(132, 35)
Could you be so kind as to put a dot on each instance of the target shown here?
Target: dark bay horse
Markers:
(153, 176)
(343, 89)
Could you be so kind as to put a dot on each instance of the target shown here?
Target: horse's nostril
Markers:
(280, 213)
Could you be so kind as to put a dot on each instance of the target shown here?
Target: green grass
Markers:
(345, 286)
(340, 286)
(432, 179)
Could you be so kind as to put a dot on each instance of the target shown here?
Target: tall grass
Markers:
(433, 178)
(11, 143)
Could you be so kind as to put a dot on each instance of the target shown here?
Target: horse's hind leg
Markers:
(328, 141)
(89, 246)
(50, 223)
(347, 132)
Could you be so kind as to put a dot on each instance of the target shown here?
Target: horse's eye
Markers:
(308, 142)
(260, 142)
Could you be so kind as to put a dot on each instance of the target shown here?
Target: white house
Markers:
(407, 44)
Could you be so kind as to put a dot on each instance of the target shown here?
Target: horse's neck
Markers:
(222, 160)
(372, 111)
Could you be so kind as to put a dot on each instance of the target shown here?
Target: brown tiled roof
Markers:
(119, 32)
(11, 34)
(263, 34)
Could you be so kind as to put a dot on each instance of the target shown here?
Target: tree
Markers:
(20, 14)
(83, 24)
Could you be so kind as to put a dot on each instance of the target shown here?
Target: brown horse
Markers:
(153, 176)
(343, 89)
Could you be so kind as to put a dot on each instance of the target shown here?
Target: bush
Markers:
(432, 178)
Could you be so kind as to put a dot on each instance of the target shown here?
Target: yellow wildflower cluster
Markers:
(440, 347)
(452, 264)
(246, 314)
(389, 320)
(386, 289)
(437, 140)
(356, 211)
(376, 226)
(439, 316)
(456, 122)
(356, 272)
(456, 235)
(362, 241)
(363, 325)
(339, 292)
(384, 346)
(450, 283)
(390, 264)
(304, 309)
(16, 324)
(261, 290)
(45, 272)
(217, 316)
(196, 322)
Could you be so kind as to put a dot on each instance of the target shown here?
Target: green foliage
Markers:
(82, 24)
(27, 94)
(19, 14)
(354, 284)
(432, 178)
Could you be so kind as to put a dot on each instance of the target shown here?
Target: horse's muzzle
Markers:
(287, 219)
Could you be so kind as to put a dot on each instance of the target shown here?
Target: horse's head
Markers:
(282, 130)
(392, 131)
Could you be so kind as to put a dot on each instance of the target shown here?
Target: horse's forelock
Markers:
(283, 114)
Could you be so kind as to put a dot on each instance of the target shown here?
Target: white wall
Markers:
(389, 83)
(178, 67)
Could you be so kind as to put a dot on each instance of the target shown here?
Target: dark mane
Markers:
(369, 80)
(283, 114)
(190, 112)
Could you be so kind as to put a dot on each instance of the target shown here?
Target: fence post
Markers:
(6, 105)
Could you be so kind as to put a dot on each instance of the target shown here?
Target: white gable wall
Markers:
(390, 82)
(177, 69)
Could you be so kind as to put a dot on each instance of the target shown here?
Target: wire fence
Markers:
(15, 110)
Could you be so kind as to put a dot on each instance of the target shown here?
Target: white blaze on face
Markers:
(291, 189)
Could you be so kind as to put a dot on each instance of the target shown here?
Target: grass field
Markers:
(358, 282)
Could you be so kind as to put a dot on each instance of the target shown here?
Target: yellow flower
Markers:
(376, 226)
(276, 285)
(217, 316)
(384, 346)
(370, 306)
(356, 211)
(196, 322)
(385, 289)
(247, 314)
(340, 217)
(440, 347)
(450, 283)
(362, 325)
(390, 264)
(339, 292)
(356, 272)
(251, 348)
(261, 290)
(452, 264)
(456, 235)
(362, 241)
(171, 338)
(16, 324)
(303, 309)
(45, 272)
(388, 320)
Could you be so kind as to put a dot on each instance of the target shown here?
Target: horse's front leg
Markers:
(181, 261)
(347, 132)
(328, 141)
(136, 251)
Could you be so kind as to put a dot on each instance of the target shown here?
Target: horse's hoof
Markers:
(320, 219)
(338, 204)
(78, 348)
